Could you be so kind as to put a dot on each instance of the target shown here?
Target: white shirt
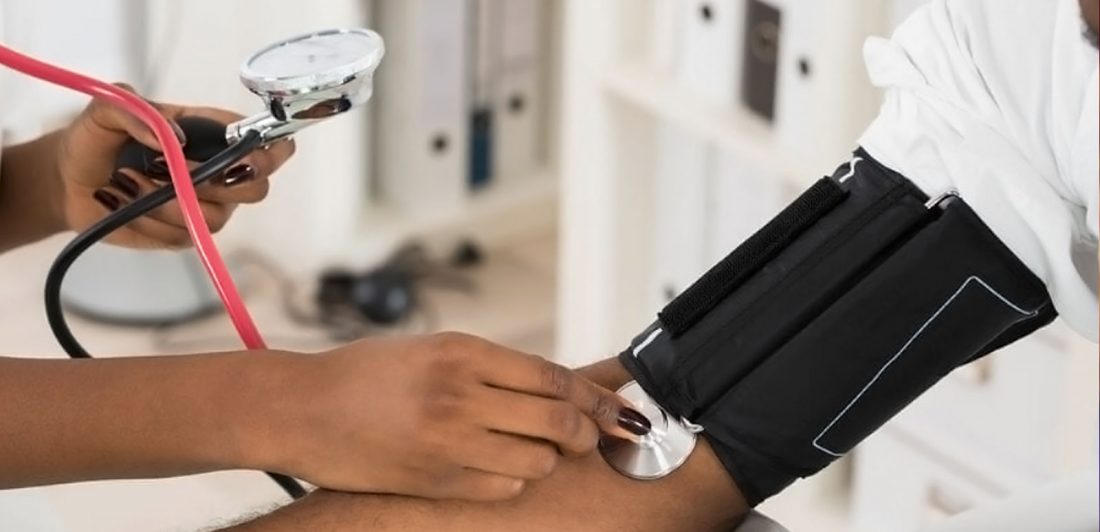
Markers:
(997, 99)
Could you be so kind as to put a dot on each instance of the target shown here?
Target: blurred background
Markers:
(543, 173)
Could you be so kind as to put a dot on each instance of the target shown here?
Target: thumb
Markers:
(114, 119)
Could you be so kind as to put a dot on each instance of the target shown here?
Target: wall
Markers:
(96, 38)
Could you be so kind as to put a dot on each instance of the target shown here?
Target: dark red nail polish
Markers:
(107, 199)
(634, 422)
(179, 132)
(126, 185)
(158, 168)
(239, 174)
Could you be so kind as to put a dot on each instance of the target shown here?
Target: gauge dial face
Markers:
(313, 55)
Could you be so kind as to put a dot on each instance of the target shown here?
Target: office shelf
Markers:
(728, 128)
(506, 211)
(326, 201)
(625, 90)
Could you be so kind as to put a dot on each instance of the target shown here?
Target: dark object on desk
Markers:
(382, 296)
(388, 294)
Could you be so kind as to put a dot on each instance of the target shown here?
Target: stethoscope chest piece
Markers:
(656, 454)
(308, 78)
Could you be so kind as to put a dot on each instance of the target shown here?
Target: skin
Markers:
(583, 494)
(311, 416)
(1090, 11)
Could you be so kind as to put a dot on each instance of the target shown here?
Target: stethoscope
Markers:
(301, 81)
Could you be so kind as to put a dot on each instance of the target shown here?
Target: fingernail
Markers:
(107, 199)
(239, 174)
(128, 186)
(634, 422)
(179, 132)
(158, 167)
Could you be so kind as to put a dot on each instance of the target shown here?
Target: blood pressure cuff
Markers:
(850, 303)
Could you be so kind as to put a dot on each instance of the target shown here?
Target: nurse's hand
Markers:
(86, 152)
(441, 416)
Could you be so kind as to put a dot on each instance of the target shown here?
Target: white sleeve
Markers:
(989, 101)
(1085, 158)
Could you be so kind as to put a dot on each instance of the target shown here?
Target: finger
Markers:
(112, 118)
(157, 170)
(125, 179)
(162, 235)
(271, 158)
(264, 161)
(521, 372)
(131, 185)
(240, 184)
(553, 420)
(474, 485)
(509, 455)
(243, 182)
(142, 232)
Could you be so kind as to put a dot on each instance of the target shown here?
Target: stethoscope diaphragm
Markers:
(657, 454)
(308, 78)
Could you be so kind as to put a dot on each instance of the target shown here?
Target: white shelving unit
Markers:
(505, 213)
(322, 200)
(621, 90)
(732, 129)
(410, 196)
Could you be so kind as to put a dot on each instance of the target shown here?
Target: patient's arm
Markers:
(582, 494)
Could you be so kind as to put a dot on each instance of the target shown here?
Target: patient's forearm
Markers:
(583, 494)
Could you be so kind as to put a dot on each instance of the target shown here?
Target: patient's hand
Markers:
(583, 494)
